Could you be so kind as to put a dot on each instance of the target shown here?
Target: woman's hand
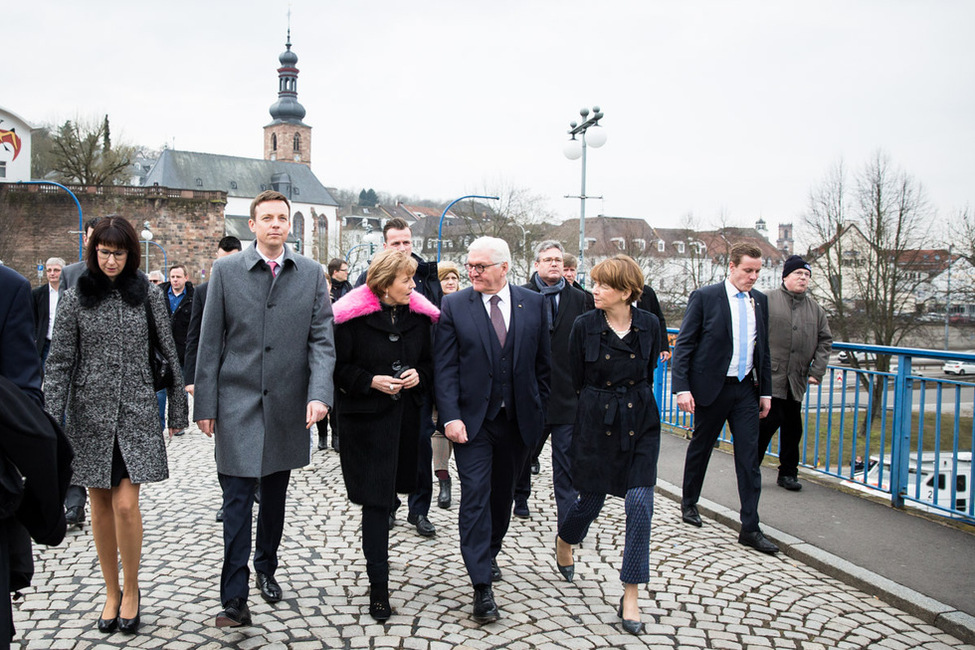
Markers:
(411, 378)
(173, 431)
(387, 384)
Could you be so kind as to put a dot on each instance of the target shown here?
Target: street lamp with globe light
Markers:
(591, 135)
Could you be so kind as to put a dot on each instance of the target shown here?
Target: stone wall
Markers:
(41, 221)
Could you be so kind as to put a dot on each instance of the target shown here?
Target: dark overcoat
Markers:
(616, 439)
(562, 399)
(98, 378)
(266, 350)
(380, 433)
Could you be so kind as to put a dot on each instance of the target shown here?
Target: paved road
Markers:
(706, 590)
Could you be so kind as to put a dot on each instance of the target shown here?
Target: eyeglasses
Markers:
(156, 281)
(118, 255)
(550, 260)
(479, 267)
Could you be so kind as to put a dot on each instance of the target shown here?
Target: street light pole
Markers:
(575, 149)
(146, 237)
(444, 214)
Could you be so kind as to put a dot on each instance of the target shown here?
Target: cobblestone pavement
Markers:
(707, 591)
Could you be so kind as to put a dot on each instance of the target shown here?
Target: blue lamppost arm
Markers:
(81, 219)
(165, 257)
(444, 214)
(348, 255)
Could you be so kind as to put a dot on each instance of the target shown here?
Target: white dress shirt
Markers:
(52, 307)
(735, 324)
(504, 305)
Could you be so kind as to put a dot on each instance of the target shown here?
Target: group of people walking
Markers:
(411, 368)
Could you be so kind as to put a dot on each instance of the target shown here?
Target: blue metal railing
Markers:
(900, 432)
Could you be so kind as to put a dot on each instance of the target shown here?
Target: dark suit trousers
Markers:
(786, 416)
(488, 466)
(238, 504)
(419, 501)
(737, 404)
(565, 494)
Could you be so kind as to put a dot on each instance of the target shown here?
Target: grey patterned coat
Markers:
(98, 377)
(266, 350)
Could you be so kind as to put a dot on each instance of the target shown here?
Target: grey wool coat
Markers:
(98, 378)
(799, 340)
(266, 350)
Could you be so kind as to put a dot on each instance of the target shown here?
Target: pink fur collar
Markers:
(362, 301)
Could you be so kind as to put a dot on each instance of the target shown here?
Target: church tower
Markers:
(287, 138)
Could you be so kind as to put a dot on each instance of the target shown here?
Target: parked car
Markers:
(954, 367)
(846, 356)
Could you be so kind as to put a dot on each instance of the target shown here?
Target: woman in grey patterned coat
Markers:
(99, 380)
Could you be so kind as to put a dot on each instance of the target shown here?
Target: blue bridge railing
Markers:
(907, 432)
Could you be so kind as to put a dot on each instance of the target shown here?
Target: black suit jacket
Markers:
(705, 344)
(193, 333)
(180, 319)
(463, 361)
(19, 361)
(562, 401)
(40, 301)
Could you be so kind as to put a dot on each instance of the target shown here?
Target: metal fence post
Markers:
(900, 462)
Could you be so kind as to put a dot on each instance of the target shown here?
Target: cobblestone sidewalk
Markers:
(707, 590)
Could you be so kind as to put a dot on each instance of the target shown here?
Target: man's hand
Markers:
(189, 388)
(764, 406)
(813, 381)
(456, 431)
(665, 356)
(314, 412)
(685, 402)
(206, 426)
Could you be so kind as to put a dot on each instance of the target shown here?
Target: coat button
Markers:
(607, 357)
(394, 337)
(609, 383)
(632, 382)
(609, 433)
(267, 349)
(265, 391)
(630, 405)
(631, 433)
(633, 356)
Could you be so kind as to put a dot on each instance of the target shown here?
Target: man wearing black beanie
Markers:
(799, 342)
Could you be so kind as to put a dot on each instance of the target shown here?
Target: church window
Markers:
(274, 142)
(297, 146)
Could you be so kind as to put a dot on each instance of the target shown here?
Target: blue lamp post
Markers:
(444, 214)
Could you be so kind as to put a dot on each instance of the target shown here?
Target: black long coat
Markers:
(379, 433)
(616, 439)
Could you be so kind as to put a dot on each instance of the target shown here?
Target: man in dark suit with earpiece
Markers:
(722, 372)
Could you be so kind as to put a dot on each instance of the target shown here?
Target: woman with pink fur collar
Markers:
(383, 369)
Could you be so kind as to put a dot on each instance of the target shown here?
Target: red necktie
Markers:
(274, 268)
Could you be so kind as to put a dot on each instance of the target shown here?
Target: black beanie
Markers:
(793, 263)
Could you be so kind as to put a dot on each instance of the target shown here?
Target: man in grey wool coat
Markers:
(263, 378)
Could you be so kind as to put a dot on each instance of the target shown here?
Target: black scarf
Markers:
(551, 294)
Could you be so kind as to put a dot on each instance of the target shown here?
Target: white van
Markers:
(927, 477)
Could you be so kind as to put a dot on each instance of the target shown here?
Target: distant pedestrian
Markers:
(45, 303)
(800, 343)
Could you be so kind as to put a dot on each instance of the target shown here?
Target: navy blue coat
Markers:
(705, 344)
(463, 361)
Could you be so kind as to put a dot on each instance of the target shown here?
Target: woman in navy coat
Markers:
(383, 367)
(613, 351)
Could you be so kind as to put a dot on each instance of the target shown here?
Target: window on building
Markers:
(274, 142)
(233, 185)
(199, 182)
(3, 169)
(297, 146)
(619, 241)
(661, 246)
(295, 191)
(590, 241)
(640, 244)
(680, 247)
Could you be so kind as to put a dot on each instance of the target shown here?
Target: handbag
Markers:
(162, 370)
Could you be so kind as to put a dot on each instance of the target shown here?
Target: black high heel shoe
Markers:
(568, 571)
(131, 625)
(633, 627)
(108, 625)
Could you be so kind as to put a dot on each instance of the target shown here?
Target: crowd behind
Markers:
(405, 368)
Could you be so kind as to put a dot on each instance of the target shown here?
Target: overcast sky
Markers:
(711, 107)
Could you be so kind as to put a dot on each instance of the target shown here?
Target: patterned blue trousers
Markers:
(639, 512)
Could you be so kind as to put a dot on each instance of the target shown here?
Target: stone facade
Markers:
(41, 221)
(284, 149)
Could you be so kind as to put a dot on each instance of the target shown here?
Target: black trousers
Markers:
(786, 417)
(419, 500)
(736, 404)
(488, 466)
(238, 503)
(375, 543)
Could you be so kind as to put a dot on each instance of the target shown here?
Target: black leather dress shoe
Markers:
(220, 514)
(757, 541)
(234, 614)
(690, 515)
(789, 483)
(535, 467)
(130, 625)
(74, 516)
(495, 571)
(392, 521)
(521, 509)
(443, 499)
(423, 525)
(270, 589)
(485, 609)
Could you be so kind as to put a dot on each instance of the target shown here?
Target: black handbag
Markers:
(162, 370)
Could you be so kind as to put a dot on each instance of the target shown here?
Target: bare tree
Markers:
(83, 153)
